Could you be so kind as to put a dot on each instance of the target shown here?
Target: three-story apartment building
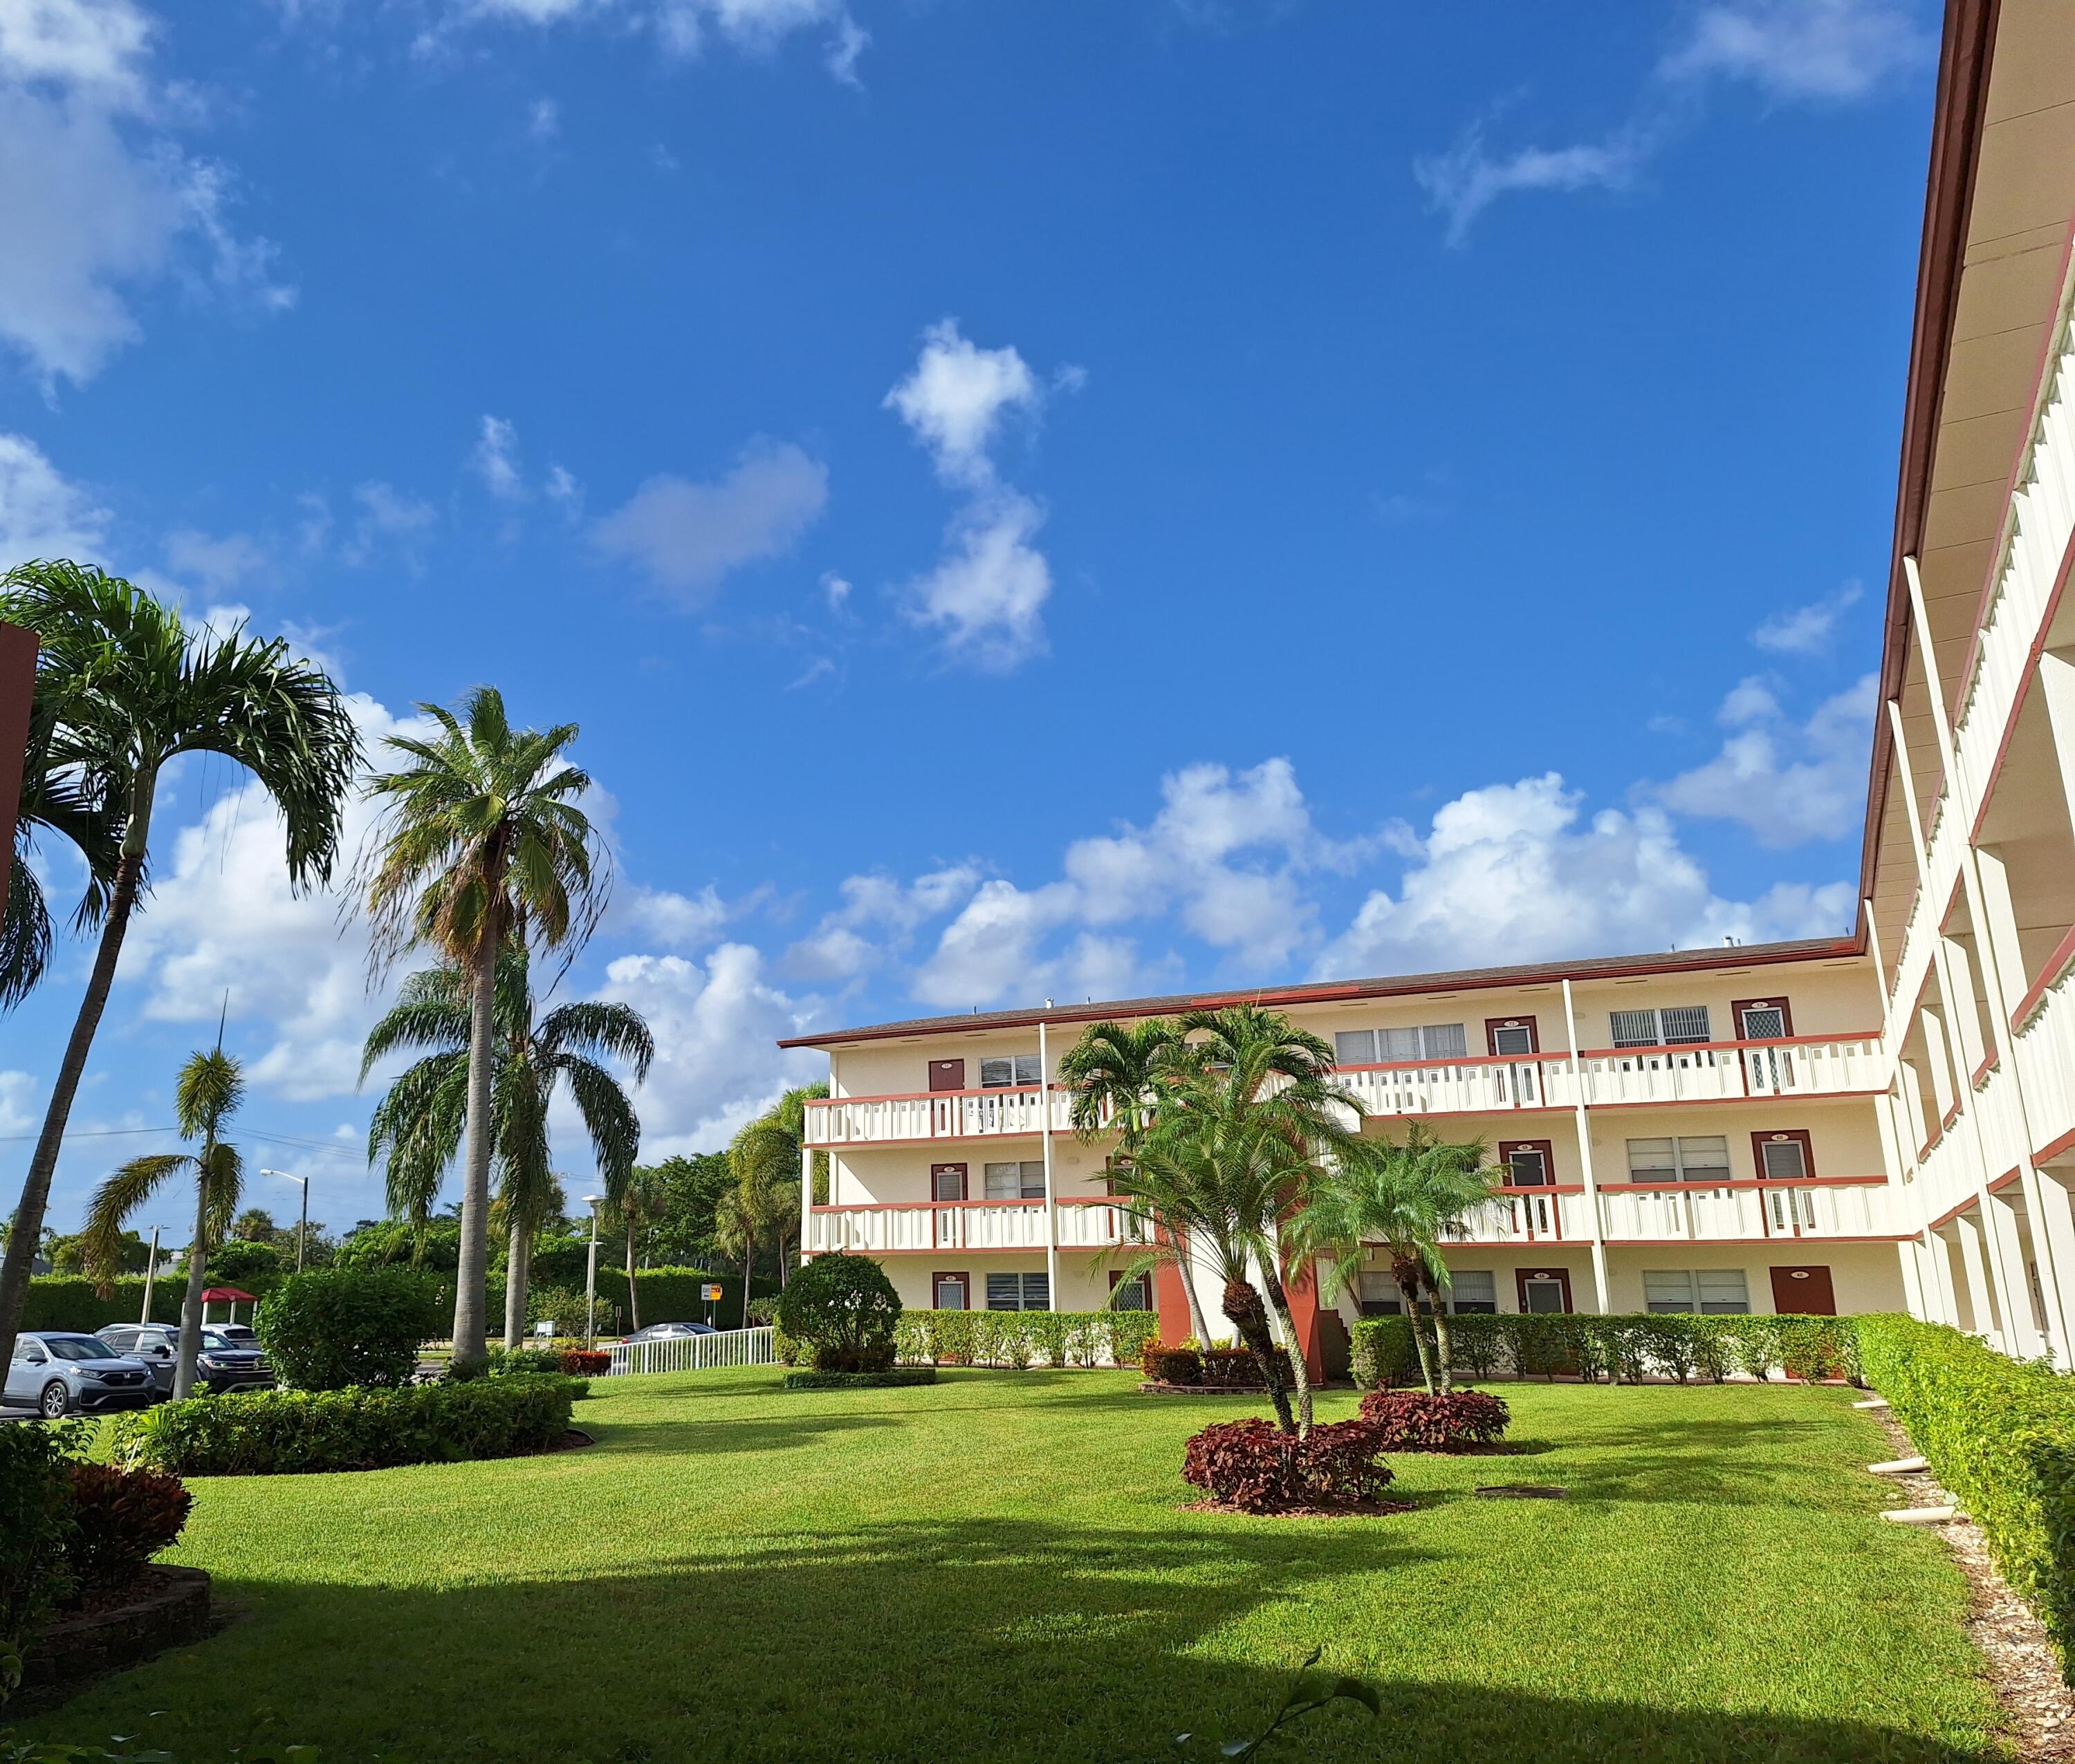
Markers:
(1884, 1120)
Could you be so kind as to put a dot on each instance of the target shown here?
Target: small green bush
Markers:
(846, 1311)
(274, 1432)
(519, 1362)
(336, 1327)
(1018, 1339)
(861, 1380)
(36, 1525)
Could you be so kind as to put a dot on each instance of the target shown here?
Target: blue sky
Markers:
(1024, 500)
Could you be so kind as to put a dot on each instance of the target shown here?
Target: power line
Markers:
(326, 1148)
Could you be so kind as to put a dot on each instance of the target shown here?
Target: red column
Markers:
(1172, 1303)
(1303, 1297)
(17, 680)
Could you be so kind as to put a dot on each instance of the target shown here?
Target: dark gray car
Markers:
(224, 1362)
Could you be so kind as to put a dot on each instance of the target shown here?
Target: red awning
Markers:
(227, 1295)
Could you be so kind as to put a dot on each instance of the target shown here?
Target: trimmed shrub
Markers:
(1171, 1365)
(1384, 1355)
(584, 1362)
(337, 1327)
(274, 1432)
(1412, 1421)
(521, 1362)
(1017, 1338)
(121, 1519)
(1232, 1369)
(846, 1311)
(2000, 1434)
(1254, 1466)
(35, 1523)
(892, 1375)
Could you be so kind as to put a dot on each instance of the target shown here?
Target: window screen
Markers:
(1713, 1292)
(1784, 1160)
(1665, 1291)
(1724, 1292)
(1397, 1044)
(1652, 1160)
(1018, 1292)
(1016, 1181)
(1764, 1023)
(1703, 1158)
(1390, 1046)
(1013, 1072)
(1354, 1047)
(1130, 1295)
(1380, 1296)
(1684, 1023)
(1675, 1025)
(1444, 1041)
(1514, 1038)
(1474, 1293)
(950, 1295)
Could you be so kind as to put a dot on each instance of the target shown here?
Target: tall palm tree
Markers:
(736, 1226)
(482, 844)
(419, 1124)
(1115, 1073)
(1405, 1197)
(58, 801)
(764, 1157)
(205, 1096)
(644, 1198)
(135, 689)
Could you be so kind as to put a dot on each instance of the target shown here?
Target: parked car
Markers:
(57, 1372)
(225, 1363)
(667, 1332)
(240, 1334)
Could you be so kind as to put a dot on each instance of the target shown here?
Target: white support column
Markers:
(1938, 1279)
(2056, 686)
(1979, 1292)
(1599, 1285)
(807, 1197)
(1044, 1138)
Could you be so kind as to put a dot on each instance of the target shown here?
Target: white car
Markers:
(56, 1373)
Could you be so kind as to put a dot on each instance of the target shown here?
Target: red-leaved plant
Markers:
(1255, 1467)
(1165, 1365)
(1413, 1420)
(121, 1519)
(585, 1362)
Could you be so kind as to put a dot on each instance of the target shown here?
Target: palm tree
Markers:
(1114, 1073)
(764, 1157)
(55, 800)
(736, 1226)
(205, 1096)
(135, 688)
(419, 1123)
(483, 845)
(1404, 1197)
(644, 1198)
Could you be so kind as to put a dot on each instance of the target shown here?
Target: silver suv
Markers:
(223, 1364)
(55, 1373)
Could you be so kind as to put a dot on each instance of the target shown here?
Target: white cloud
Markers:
(219, 564)
(956, 397)
(1788, 784)
(1507, 874)
(986, 593)
(677, 921)
(1802, 49)
(877, 915)
(495, 460)
(389, 520)
(17, 1093)
(715, 1025)
(1791, 51)
(836, 591)
(99, 200)
(43, 514)
(680, 28)
(544, 119)
(1803, 631)
(686, 535)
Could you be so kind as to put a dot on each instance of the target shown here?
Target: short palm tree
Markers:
(482, 844)
(135, 689)
(765, 1159)
(419, 1124)
(1115, 1073)
(205, 1096)
(643, 1199)
(1405, 1197)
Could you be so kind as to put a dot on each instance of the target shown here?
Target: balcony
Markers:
(1734, 1212)
(938, 1114)
(969, 1225)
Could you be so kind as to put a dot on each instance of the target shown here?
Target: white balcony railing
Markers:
(2045, 1048)
(973, 1225)
(1464, 1087)
(1729, 1071)
(1730, 1214)
(886, 1120)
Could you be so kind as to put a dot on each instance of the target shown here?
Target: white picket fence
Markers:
(695, 1353)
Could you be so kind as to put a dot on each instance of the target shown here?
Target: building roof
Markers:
(1598, 968)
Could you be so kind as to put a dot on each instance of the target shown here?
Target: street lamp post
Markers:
(590, 1277)
(151, 1274)
(303, 1225)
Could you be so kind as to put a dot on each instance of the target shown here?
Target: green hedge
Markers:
(857, 1381)
(2000, 1434)
(69, 1301)
(274, 1432)
(1623, 1348)
(1023, 1338)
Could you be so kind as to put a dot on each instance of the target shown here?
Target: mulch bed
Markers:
(1351, 1510)
(163, 1607)
(2037, 1704)
(573, 1439)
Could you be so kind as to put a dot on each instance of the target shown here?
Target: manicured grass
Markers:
(998, 1567)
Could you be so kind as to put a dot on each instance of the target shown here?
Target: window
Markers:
(1704, 1159)
(1129, 1294)
(1380, 1296)
(1529, 1163)
(1390, 1046)
(1018, 1292)
(954, 1292)
(1507, 1036)
(1016, 1181)
(947, 1182)
(1709, 1292)
(1011, 1074)
(1763, 1019)
(1786, 1160)
(1474, 1293)
(1674, 1026)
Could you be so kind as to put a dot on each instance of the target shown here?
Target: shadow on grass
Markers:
(708, 1436)
(994, 1640)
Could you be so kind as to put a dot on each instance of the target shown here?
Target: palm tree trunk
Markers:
(1443, 1351)
(749, 1261)
(27, 1230)
(1409, 1285)
(1197, 1319)
(1279, 1301)
(633, 1289)
(190, 1350)
(518, 1269)
(1244, 1310)
(468, 1322)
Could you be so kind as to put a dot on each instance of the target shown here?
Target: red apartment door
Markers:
(947, 1074)
(1803, 1292)
(1543, 1290)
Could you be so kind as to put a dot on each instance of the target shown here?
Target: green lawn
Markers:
(1000, 1568)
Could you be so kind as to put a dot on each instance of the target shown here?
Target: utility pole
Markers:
(590, 1277)
(151, 1274)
